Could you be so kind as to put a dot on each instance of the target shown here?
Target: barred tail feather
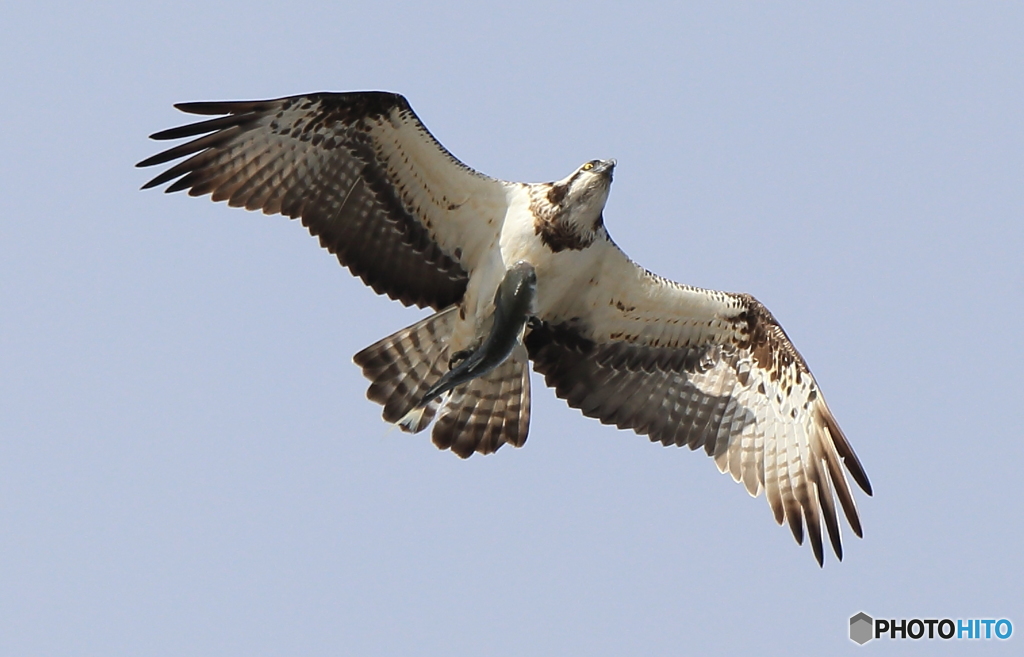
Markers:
(478, 416)
(419, 418)
(489, 411)
(403, 366)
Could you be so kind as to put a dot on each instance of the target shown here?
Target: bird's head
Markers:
(581, 195)
(597, 169)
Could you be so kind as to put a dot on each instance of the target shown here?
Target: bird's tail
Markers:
(478, 416)
(488, 411)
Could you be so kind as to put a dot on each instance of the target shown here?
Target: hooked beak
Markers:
(606, 167)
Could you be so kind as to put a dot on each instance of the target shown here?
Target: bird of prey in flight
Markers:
(521, 272)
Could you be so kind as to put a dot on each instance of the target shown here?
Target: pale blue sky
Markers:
(188, 465)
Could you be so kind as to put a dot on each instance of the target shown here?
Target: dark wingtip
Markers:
(819, 553)
(845, 450)
(163, 135)
(796, 526)
(209, 108)
(837, 545)
(166, 176)
(158, 180)
(148, 162)
(213, 108)
(191, 107)
(855, 469)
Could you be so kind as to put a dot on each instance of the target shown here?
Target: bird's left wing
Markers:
(361, 171)
(694, 367)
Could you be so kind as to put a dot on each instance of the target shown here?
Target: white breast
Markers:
(560, 276)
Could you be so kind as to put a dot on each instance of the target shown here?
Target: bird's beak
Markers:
(606, 167)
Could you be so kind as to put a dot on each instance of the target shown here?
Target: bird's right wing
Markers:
(361, 171)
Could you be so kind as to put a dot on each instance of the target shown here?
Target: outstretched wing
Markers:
(362, 173)
(687, 366)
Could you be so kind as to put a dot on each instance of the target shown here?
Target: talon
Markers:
(458, 357)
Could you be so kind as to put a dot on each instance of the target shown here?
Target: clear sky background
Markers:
(188, 465)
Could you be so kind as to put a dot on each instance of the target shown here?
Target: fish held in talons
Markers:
(513, 306)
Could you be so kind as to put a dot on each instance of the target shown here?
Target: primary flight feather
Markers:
(520, 272)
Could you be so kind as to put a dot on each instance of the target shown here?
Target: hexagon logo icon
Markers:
(861, 628)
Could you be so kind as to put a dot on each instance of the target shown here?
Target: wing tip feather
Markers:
(845, 451)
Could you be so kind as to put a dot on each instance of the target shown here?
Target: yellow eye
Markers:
(588, 166)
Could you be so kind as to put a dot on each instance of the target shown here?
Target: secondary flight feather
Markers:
(521, 272)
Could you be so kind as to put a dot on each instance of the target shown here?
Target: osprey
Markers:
(520, 272)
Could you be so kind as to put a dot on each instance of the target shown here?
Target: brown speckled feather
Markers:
(748, 400)
(350, 166)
